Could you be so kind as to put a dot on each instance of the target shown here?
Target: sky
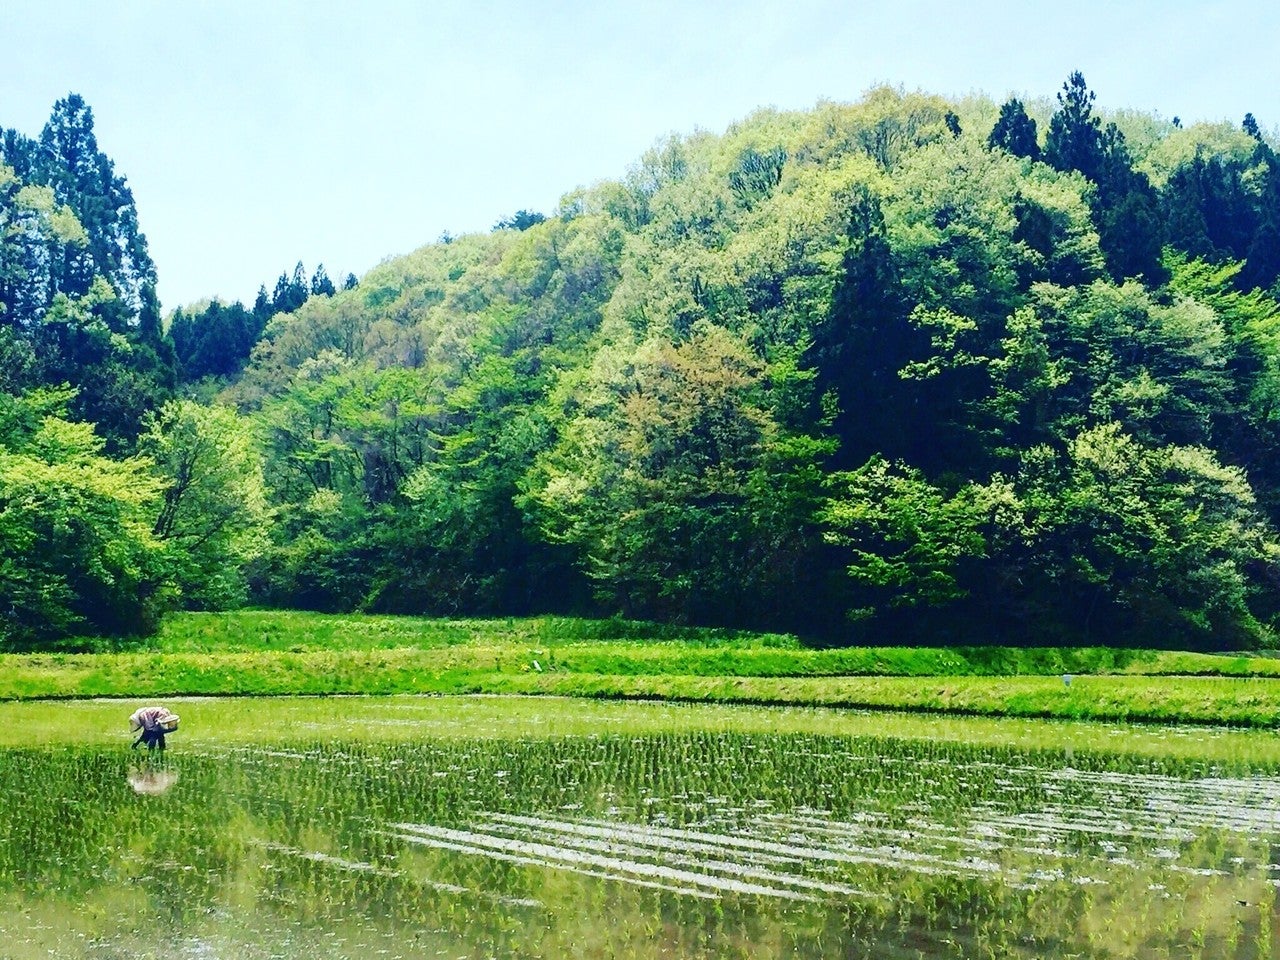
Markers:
(257, 134)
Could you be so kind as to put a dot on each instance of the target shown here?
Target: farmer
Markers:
(154, 722)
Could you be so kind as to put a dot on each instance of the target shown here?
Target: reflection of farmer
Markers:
(152, 782)
(154, 722)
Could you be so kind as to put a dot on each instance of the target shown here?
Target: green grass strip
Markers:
(1251, 702)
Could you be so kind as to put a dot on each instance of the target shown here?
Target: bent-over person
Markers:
(154, 722)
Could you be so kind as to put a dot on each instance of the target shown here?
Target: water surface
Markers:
(485, 827)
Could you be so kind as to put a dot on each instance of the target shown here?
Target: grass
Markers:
(283, 652)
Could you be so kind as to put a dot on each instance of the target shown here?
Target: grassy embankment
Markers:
(264, 653)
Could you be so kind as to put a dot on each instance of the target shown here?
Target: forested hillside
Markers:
(901, 370)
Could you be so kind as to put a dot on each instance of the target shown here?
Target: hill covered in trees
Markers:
(903, 370)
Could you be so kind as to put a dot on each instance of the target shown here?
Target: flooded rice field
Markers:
(477, 827)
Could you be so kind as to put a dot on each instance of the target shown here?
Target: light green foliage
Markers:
(904, 538)
(972, 228)
(37, 212)
(1086, 355)
(1252, 324)
(885, 125)
(1178, 147)
(214, 515)
(643, 384)
(1145, 542)
(418, 432)
(77, 551)
(676, 482)
(779, 273)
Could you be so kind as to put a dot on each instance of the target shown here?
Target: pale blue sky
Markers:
(255, 134)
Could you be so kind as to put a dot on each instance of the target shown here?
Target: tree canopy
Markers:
(898, 370)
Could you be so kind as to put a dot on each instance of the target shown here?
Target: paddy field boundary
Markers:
(265, 653)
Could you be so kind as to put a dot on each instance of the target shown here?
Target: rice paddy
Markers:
(414, 827)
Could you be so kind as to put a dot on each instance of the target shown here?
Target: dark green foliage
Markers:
(321, 285)
(216, 341)
(755, 175)
(1126, 208)
(1074, 140)
(520, 220)
(1262, 262)
(291, 292)
(1015, 132)
(864, 341)
(84, 179)
(77, 286)
(1208, 210)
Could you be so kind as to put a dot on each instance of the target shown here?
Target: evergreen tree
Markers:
(76, 280)
(1130, 226)
(84, 179)
(1014, 131)
(262, 306)
(1074, 140)
(321, 285)
(1126, 208)
(1183, 201)
(865, 341)
(520, 220)
(291, 292)
(1208, 210)
(1262, 268)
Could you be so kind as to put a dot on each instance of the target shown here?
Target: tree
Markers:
(866, 339)
(1208, 210)
(117, 378)
(755, 175)
(1014, 131)
(520, 220)
(213, 514)
(683, 496)
(1262, 264)
(1126, 208)
(84, 179)
(321, 285)
(77, 554)
(902, 539)
(1074, 140)
(1250, 126)
(291, 292)
(1127, 211)
(1116, 541)
(76, 281)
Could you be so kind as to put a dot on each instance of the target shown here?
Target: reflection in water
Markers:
(151, 781)
(699, 844)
